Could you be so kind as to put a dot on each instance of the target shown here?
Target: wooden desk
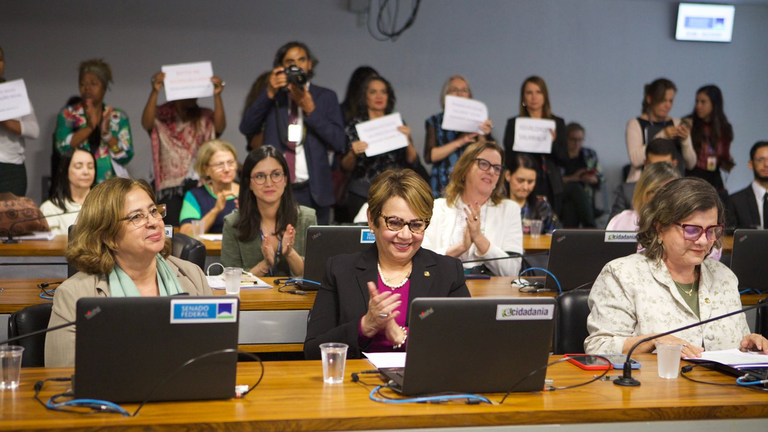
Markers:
(292, 396)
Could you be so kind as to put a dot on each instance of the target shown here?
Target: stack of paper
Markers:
(734, 358)
(246, 281)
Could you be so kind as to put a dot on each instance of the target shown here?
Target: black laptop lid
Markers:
(324, 242)
(576, 256)
(477, 345)
(125, 347)
(749, 259)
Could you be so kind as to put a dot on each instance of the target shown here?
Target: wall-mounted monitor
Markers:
(704, 22)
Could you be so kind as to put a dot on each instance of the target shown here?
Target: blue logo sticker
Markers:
(367, 236)
(193, 311)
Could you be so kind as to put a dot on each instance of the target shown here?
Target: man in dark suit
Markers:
(748, 208)
(304, 122)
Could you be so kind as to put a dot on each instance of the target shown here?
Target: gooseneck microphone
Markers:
(510, 255)
(626, 379)
(11, 240)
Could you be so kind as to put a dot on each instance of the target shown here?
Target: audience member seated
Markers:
(475, 221)
(303, 123)
(654, 122)
(13, 135)
(216, 166)
(256, 139)
(748, 208)
(711, 135)
(658, 150)
(366, 296)
(354, 89)
(671, 284)
(69, 188)
(654, 176)
(267, 236)
(582, 177)
(534, 103)
(521, 177)
(177, 130)
(94, 126)
(377, 100)
(442, 148)
(120, 249)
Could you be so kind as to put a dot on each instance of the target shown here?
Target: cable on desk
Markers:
(376, 396)
(743, 384)
(559, 288)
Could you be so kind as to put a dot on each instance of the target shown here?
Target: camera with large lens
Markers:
(296, 75)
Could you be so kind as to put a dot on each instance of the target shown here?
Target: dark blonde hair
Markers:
(92, 242)
(654, 176)
(405, 184)
(206, 152)
(98, 67)
(674, 202)
(456, 186)
(546, 110)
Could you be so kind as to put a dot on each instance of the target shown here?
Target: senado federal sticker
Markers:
(367, 236)
(519, 312)
(196, 311)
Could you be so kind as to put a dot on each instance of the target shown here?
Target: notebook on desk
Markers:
(475, 345)
(576, 256)
(324, 242)
(125, 347)
(749, 258)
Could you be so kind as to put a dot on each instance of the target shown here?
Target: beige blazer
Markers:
(60, 344)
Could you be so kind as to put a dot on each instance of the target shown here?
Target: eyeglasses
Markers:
(693, 232)
(231, 164)
(261, 178)
(141, 218)
(485, 166)
(458, 90)
(396, 224)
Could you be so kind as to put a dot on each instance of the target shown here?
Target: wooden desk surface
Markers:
(292, 396)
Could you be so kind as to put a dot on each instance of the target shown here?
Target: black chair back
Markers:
(28, 320)
(189, 249)
(762, 318)
(571, 322)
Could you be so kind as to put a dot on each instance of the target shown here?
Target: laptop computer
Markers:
(475, 345)
(576, 256)
(748, 259)
(125, 347)
(324, 242)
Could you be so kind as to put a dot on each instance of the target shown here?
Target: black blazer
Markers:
(324, 132)
(343, 299)
(742, 210)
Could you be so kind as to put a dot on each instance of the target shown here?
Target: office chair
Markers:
(189, 249)
(571, 322)
(27, 320)
(762, 318)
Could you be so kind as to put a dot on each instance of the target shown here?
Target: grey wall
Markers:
(594, 54)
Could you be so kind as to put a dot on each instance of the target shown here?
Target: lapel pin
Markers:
(426, 274)
(706, 300)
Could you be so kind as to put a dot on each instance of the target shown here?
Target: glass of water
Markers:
(334, 355)
(10, 366)
(232, 278)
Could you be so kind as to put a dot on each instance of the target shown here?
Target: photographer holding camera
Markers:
(304, 122)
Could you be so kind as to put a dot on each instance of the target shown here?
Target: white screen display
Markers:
(704, 22)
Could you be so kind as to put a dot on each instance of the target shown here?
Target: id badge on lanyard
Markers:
(295, 133)
(711, 158)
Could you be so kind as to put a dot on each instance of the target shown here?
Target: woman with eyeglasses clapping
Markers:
(217, 167)
(475, 221)
(267, 235)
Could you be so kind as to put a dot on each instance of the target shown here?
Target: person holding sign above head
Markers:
(376, 101)
(536, 126)
(303, 121)
(94, 126)
(475, 221)
(177, 129)
(655, 122)
(442, 147)
(366, 296)
(13, 133)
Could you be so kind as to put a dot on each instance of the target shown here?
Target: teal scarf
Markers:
(121, 285)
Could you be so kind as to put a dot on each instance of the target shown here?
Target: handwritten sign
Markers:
(14, 102)
(382, 135)
(188, 81)
(533, 135)
(464, 115)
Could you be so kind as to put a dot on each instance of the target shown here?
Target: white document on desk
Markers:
(464, 115)
(382, 135)
(188, 81)
(533, 135)
(212, 237)
(735, 358)
(386, 360)
(14, 102)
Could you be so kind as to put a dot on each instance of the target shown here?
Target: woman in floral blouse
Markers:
(94, 126)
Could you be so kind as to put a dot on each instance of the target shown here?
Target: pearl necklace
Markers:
(388, 282)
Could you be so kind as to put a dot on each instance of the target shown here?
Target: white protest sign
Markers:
(188, 81)
(382, 135)
(14, 102)
(533, 135)
(464, 115)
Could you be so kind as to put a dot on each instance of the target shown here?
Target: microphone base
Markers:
(627, 382)
(11, 241)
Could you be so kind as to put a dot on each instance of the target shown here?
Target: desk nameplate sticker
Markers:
(532, 312)
(193, 311)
